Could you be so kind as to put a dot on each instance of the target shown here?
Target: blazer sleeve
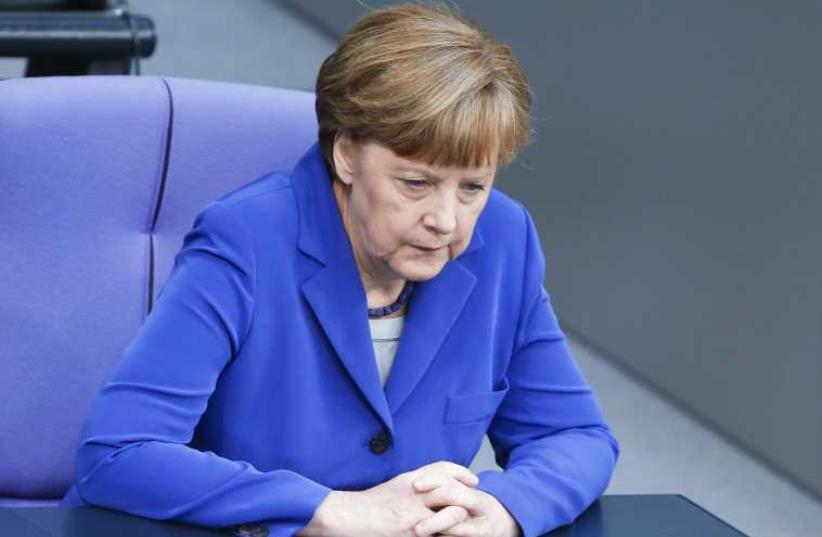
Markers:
(133, 454)
(549, 435)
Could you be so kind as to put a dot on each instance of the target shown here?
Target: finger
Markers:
(429, 481)
(468, 479)
(426, 483)
(444, 519)
(453, 495)
(461, 473)
(469, 528)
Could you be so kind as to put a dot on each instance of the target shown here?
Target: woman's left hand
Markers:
(487, 516)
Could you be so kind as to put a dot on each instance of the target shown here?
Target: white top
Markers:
(385, 336)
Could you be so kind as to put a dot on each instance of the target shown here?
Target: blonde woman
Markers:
(343, 335)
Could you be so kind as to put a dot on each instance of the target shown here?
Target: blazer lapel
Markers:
(435, 306)
(339, 303)
(335, 292)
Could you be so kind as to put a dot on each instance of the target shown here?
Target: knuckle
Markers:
(441, 494)
(409, 478)
(460, 530)
(459, 513)
(447, 465)
(468, 502)
(405, 476)
(455, 493)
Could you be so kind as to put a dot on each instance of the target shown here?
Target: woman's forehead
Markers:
(384, 156)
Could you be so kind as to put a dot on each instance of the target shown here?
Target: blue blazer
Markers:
(251, 389)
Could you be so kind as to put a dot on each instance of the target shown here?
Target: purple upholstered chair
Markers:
(100, 178)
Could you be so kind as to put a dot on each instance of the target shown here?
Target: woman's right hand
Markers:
(390, 509)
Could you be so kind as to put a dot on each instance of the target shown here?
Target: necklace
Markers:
(405, 294)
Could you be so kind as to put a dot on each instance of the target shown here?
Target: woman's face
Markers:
(406, 219)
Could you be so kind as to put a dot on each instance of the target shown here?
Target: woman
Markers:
(257, 393)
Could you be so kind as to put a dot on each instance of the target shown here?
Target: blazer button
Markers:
(379, 443)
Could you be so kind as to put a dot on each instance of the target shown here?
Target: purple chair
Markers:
(100, 178)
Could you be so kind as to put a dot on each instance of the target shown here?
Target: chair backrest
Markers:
(100, 178)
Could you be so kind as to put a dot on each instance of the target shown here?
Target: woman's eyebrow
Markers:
(414, 169)
(432, 175)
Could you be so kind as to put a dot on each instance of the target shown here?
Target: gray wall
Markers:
(675, 181)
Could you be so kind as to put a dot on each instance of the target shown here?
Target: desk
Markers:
(651, 515)
(646, 515)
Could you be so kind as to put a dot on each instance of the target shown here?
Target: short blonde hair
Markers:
(429, 84)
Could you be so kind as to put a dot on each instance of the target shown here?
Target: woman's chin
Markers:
(419, 271)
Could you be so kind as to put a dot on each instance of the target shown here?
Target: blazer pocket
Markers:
(474, 407)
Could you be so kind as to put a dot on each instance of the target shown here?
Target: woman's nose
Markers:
(442, 218)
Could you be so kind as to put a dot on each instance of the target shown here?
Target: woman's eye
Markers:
(414, 184)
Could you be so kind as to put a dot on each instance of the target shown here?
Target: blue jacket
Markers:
(251, 390)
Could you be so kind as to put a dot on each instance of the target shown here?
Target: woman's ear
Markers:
(345, 155)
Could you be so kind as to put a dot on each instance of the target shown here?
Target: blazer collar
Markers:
(337, 296)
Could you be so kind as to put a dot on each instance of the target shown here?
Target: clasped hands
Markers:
(436, 499)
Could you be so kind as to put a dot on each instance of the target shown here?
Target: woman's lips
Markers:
(425, 249)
